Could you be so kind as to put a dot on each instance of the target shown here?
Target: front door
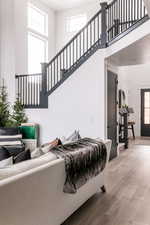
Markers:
(112, 82)
(145, 112)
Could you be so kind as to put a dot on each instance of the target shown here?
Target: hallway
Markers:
(127, 201)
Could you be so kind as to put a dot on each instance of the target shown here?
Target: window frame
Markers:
(33, 32)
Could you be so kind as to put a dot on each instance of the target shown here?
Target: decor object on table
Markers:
(123, 126)
(131, 122)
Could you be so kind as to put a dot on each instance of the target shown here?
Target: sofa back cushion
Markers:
(26, 165)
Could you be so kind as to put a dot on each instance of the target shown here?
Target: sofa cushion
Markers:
(36, 153)
(47, 147)
(22, 156)
(26, 165)
(15, 150)
(6, 162)
(4, 154)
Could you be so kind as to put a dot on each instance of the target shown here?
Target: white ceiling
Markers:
(137, 53)
(66, 4)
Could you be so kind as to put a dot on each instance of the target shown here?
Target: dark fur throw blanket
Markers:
(84, 159)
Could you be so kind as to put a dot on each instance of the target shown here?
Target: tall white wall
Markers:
(7, 53)
(136, 78)
(13, 39)
(62, 36)
(77, 104)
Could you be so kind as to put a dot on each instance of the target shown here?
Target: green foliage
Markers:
(18, 115)
(4, 107)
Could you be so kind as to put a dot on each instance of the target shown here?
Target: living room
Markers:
(70, 86)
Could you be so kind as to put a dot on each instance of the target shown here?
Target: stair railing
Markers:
(123, 15)
(113, 21)
(79, 48)
(29, 88)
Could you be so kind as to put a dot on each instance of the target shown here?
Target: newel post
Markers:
(44, 77)
(116, 22)
(43, 95)
(104, 24)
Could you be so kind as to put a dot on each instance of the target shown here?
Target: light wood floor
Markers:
(127, 201)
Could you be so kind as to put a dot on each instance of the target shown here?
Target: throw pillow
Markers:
(36, 153)
(23, 156)
(15, 149)
(47, 147)
(75, 136)
(4, 154)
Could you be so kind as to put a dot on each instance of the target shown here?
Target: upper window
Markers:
(37, 20)
(37, 38)
(75, 23)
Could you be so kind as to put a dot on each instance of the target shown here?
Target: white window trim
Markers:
(45, 14)
(39, 35)
(36, 35)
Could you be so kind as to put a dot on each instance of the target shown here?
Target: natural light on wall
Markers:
(75, 23)
(37, 38)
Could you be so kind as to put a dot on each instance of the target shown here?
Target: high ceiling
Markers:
(66, 4)
(137, 53)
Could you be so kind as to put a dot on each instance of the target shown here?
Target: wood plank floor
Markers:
(127, 201)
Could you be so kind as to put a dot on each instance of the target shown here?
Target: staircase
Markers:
(111, 23)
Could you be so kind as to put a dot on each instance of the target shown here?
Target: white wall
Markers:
(7, 53)
(13, 38)
(62, 36)
(77, 104)
(136, 78)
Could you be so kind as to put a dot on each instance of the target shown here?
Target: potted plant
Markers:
(9, 124)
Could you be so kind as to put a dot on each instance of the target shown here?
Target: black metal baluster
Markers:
(26, 102)
(94, 31)
(51, 76)
(144, 11)
(87, 38)
(83, 43)
(57, 69)
(69, 56)
(126, 14)
(134, 11)
(80, 47)
(140, 9)
(137, 9)
(33, 90)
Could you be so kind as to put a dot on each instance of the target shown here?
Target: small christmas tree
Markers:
(4, 107)
(18, 115)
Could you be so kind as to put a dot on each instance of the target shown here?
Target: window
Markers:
(37, 38)
(75, 23)
(147, 108)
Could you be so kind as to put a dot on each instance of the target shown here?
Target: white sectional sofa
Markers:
(36, 197)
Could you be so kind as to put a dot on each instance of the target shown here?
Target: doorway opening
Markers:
(133, 112)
